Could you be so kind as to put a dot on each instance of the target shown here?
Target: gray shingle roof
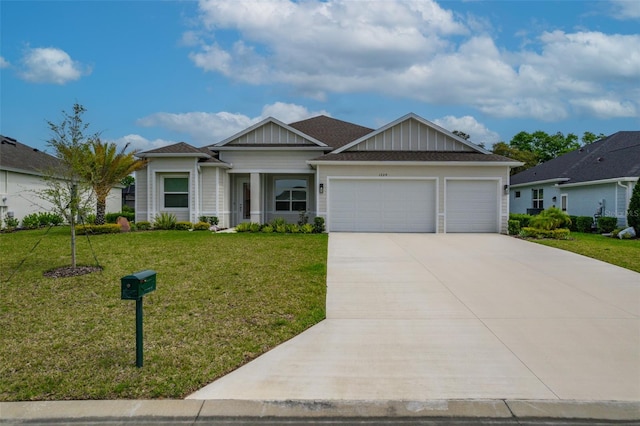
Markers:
(178, 148)
(615, 156)
(413, 156)
(18, 156)
(333, 132)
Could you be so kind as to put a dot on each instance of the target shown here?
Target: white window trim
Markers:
(163, 192)
(564, 201)
(306, 190)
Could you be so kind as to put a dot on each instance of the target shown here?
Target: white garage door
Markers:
(377, 205)
(472, 206)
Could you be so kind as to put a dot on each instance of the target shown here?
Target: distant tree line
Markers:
(538, 147)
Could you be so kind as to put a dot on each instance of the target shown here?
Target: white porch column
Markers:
(256, 198)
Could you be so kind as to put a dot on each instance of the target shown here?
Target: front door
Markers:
(243, 197)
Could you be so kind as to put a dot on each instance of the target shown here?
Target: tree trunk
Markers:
(100, 208)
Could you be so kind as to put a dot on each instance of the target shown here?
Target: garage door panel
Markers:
(369, 205)
(471, 206)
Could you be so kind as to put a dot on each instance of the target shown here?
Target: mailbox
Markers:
(136, 285)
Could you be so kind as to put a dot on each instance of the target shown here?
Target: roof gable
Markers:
(180, 149)
(616, 156)
(333, 132)
(411, 133)
(20, 157)
(269, 133)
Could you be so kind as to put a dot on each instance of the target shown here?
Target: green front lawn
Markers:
(221, 300)
(624, 253)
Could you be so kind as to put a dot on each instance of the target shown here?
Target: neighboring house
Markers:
(596, 179)
(129, 196)
(408, 176)
(21, 176)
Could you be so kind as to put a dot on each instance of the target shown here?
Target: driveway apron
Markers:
(456, 316)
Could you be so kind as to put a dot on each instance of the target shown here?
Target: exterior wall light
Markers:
(321, 188)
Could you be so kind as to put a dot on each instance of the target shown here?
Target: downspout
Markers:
(218, 192)
(626, 202)
(195, 213)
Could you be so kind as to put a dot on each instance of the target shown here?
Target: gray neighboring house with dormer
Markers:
(597, 179)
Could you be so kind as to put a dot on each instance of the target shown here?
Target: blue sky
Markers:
(152, 73)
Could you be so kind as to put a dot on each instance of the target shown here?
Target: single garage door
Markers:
(381, 205)
(472, 206)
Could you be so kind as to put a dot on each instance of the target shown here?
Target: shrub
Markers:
(165, 221)
(293, 228)
(243, 227)
(30, 221)
(127, 209)
(10, 223)
(633, 214)
(47, 218)
(267, 229)
(583, 223)
(213, 220)
(201, 226)
(41, 219)
(281, 229)
(558, 234)
(107, 228)
(574, 224)
(607, 224)
(522, 218)
(303, 217)
(143, 225)
(514, 227)
(549, 219)
(255, 227)
(307, 228)
(318, 225)
(277, 221)
(182, 226)
(90, 218)
(113, 217)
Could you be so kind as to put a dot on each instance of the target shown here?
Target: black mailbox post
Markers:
(134, 287)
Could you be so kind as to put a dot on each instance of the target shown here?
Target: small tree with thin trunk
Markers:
(67, 190)
(633, 214)
(104, 167)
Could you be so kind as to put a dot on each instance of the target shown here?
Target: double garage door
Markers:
(409, 205)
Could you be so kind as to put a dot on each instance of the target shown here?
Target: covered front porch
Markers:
(262, 197)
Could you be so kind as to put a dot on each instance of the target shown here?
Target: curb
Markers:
(242, 411)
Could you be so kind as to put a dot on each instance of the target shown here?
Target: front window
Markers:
(291, 195)
(538, 201)
(176, 192)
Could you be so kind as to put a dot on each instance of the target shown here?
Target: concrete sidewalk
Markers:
(422, 316)
(220, 412)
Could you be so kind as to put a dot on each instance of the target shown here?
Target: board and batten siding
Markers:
(160, 167)
(141, 200)
(411, 135)
(498, 173)
(268, 161)
(270, 133)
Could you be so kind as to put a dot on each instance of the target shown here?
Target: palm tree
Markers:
(105, 167)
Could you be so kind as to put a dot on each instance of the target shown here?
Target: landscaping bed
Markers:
(221, 300)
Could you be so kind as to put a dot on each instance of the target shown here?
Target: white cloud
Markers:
(4, 63)
(50, 65)
(626, 9)
(478, 132)
(139, 143)
(415, 49)
(605, 108)
(206, 128)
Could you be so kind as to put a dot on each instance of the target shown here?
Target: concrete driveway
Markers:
(424, 316)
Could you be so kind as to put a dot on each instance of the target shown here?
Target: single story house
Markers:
(407, 176)
(595, 180)
(21, 176)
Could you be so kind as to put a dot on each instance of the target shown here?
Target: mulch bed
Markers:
(70, 271)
